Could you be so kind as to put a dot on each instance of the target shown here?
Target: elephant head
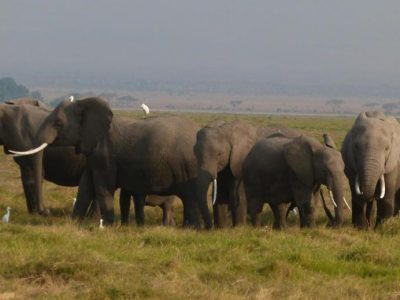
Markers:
(372, 150)
(79, 123)
(221, 146)
(314, 164)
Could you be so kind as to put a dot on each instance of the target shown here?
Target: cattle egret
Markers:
(101, 226)
(146, 109)
(6, 217)
(73, 203)
(71, 99)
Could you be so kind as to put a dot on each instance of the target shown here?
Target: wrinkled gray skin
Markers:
(166, 203)
(220, 149)
(281, 169)
(147, 156)
(371, 149)
(20, 120)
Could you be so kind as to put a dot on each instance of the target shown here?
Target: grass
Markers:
(54, 257)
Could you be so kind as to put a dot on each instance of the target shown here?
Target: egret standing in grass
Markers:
(73, 203)
(101, 226)
(146, 109)
(6, 217)
(71, 98)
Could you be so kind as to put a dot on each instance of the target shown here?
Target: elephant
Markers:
(20, 120)
(153, 155)
(281, 170)
(371, 153)
(220, 149)
(166, 203)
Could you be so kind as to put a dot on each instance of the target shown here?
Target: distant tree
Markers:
(391, 108)
(234, 103)
(37, 95)
(371, 105)
(9, 89)
(335, 104)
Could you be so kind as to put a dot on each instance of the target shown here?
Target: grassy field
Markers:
(54, 257)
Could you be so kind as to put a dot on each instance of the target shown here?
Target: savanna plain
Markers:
(54, 257)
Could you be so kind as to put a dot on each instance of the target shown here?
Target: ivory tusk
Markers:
(357, 187)
(214, 199)
(332, 199)
(347, 204)
(383, 189)
(29, 152)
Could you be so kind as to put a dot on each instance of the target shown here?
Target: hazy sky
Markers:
(338, 42)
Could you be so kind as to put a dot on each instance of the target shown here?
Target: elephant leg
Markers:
(104, 184)
(303, 197)
(279, 211)
(139, 201)
(238, 202)
(385, 206)
(124, 205)
(190, 212)
(94, 210)
(255, 212)
(368, 212)
(29, 188)
(168, 211)
(86, 195)
(220, 214)
(38, 182)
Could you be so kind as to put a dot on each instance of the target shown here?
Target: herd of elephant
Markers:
(81, 143)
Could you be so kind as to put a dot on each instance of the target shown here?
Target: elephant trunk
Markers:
(336, 193)
(368, 178)
(202, 183)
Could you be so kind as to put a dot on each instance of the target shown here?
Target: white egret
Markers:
(6, 217)
(101, 226)
(146, 109)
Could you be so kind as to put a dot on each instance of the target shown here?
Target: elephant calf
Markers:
(286, 169)
(166, 203)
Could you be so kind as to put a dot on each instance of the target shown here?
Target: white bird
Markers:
(71, 98)
(6, 217)
(101, 226)
(146, 109)
(73, 203)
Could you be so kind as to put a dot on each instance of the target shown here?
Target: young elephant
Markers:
(220, 149)
(281, 169)
(166, 203)
(371, 152)
(148, 156)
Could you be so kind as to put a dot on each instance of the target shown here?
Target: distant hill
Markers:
(9, 89)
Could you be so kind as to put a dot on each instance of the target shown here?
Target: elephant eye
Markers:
(58, 123)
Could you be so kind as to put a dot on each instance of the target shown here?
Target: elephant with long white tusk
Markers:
(371, 152)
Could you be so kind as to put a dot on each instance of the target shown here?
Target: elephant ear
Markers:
(96, 117)
(328, 141)
(299, 156)
(242, 140)
(394, 154)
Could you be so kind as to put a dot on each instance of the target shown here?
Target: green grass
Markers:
(54, 257)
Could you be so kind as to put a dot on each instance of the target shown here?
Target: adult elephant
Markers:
(220, 149)
(20, 120)
(147, 156)
(282, 169)
(371, 152)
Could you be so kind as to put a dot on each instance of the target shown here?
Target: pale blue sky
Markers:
(310, 42)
